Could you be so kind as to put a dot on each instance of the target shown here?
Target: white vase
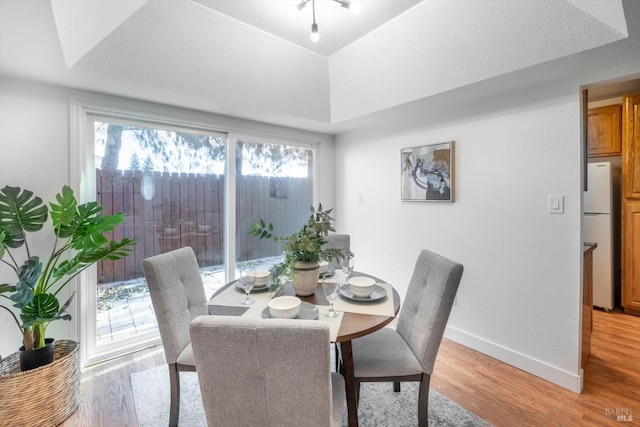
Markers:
(305, 278)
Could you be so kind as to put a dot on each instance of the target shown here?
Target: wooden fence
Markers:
(188, 210)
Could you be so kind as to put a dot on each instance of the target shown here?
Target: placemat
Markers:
(255, 312)
(231, 296)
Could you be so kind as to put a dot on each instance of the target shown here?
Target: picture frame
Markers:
(427, 173)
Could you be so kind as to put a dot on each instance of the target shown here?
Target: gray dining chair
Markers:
(339, 241)
(178, 297)
(266, 372)
(408, 351)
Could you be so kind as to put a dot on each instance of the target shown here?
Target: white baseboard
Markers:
(561, 377)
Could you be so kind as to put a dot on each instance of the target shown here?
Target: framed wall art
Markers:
(427, 173)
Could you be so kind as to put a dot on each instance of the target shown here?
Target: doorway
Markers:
(602, 114)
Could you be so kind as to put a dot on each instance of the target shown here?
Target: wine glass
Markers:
(347, 265)
(330, 289)
(247, 279)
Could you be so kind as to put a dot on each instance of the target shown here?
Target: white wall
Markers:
(519, 299)
(34, 154)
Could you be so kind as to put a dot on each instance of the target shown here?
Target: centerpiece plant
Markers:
(303, 249)
(79, 241)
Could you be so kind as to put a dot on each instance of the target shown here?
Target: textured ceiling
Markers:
(253, 59)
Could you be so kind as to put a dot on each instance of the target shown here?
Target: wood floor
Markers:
(506, 396)
(107, 399)
(499, 393)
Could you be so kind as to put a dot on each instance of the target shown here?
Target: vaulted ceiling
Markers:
(253, 58)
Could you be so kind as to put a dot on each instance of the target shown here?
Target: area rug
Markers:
(379, 404)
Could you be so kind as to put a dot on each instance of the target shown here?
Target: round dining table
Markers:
(353, 325)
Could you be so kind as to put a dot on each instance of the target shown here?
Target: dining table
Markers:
(357, 318)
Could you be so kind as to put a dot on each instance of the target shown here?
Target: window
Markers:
(170, 186)
(273, 182)
(174, 183)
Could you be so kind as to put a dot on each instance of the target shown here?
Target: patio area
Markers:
(125, 309)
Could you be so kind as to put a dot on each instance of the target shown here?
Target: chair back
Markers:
(177, 294)
(339, 241)
(427, 304)
(263, 372)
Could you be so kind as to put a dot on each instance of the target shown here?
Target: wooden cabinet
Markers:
(631, 258)
(631, 204)
(604, 132)
(631, 148)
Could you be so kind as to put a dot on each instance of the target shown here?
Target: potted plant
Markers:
(302, 251)
(79, 242)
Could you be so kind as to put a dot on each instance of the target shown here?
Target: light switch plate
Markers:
(556, 204)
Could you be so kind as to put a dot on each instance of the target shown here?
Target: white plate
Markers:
(378, 294)
(307, 311)
(255, 288)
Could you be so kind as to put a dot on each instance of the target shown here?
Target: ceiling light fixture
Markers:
(315, 35)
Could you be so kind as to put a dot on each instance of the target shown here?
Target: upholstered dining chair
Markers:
(177, 294)
(339, 241)
(408, 351)
(266, 372)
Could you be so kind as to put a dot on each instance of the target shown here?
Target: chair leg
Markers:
(423, 401)
(339, 367)
(396, 387)
(174, 385)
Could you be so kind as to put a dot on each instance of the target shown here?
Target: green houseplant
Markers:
(79, 242)
(302, 250)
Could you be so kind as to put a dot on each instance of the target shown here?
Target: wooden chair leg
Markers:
(423, 401)
(174, 385)
(396, 387)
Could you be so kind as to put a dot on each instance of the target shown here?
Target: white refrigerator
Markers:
(598, 226)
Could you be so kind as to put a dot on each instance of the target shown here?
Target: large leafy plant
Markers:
(79, 242)
(305, 245)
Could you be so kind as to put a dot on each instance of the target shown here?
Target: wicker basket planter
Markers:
(44, 396)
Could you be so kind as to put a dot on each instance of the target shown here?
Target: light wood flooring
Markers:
(499, 393)
(506, 396)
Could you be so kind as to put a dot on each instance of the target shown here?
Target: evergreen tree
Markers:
(134, 163)
(148, 164)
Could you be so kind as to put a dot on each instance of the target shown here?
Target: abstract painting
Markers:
(427, 173)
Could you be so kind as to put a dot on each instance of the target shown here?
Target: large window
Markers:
(176, 186)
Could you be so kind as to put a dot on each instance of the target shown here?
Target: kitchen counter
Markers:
(588, 247)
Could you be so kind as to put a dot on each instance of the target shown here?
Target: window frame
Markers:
(83, 112)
